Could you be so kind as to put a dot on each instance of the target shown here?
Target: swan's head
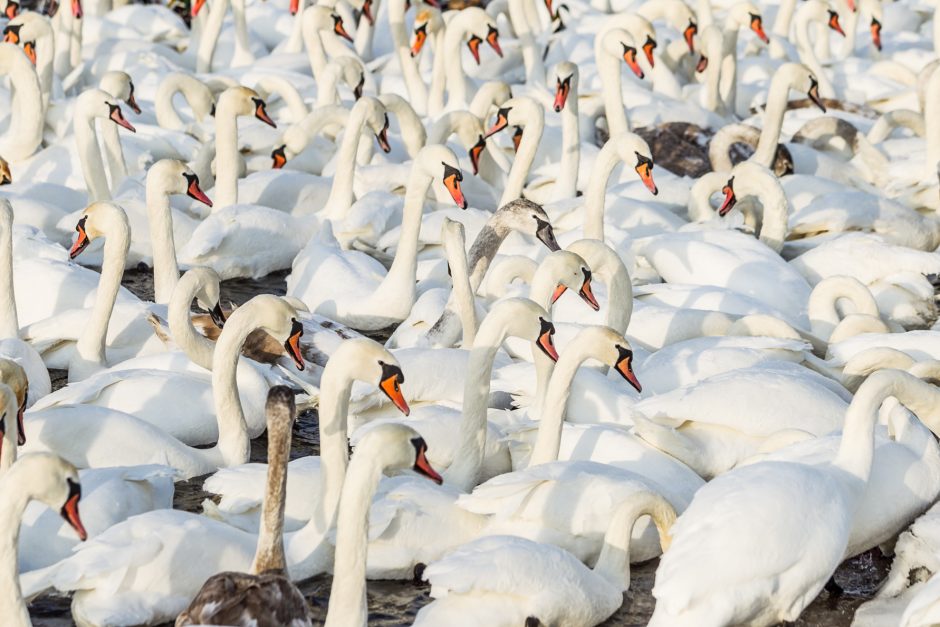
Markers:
(77, 11)
(392, 446)
(207, 291)
(427, 21)
(475, 153)
(517, 112)
(244, 101)
(376, 117)
(523, 318)
(97, 103)
(440, 163)
(876, 33)
(527, 217)
(175, 177)
(802, 80)
(362, 359)
(689, 34)
(612, 349)
(747, 14)
(13, 375)
(12, 10)
(6, 177)
(98, 220)
(53, 481)
(277, 317)
(121, 86)
(564, 270)
(833, 22)
(566, 80)
(479, 27)
(322, 18)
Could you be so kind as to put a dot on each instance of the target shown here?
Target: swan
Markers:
(331, 281)
(95, 104)
(24, 135)
(91, 572)
(11, 346)
(265, 594)
(196, 94)
(51, 481)
(473, 26)
(759, 587)
(82, 433)
(240, 488)
(539, 583)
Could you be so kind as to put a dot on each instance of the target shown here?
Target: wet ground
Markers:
(393, 603)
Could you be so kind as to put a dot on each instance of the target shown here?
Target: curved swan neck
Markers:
(455, 249)
(89, 154)
(13, 501)
(197, 347)
(210, 36)
(760, 182)
(821, 308)
(24, 134)
(595, 199)
(417, 90)
(614, 561)
(533, 119)
(270, 552)
(566, 186)
(194, 92)
(810, 13)
(9, 323)
(90, 348)
(233, 445)
(464, 472)
(341, 193)
(773, 117)
(608, 66)
(165, 269)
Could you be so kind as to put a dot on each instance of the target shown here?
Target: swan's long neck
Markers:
(269, 554)
(808, 55)
(454, 247)
(595, 200)
(167, 117)
(243, 54)
(932, 126)
(455, 78)
(566, 186)
(335, 388)
(91, 345)
(608, 65)
(417, 90)
(295, 42)
(226, 157)
(114, 153)
(531, 136)
(614, 561)
(13, 501)
(90, 156)
(821, 307)
(438, 73)
(773, 120)
(341, 193)
(534, 67)
(165, 269)
(210, 36)
(465, 470)
(9, 324)
(234, 445)
(548, 440)
(397, 289)
(784, 17)
(348, 606)
(197, 347)
(774, 224)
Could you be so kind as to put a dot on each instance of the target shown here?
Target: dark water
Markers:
(393, 603)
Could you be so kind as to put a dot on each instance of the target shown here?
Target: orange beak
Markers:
(70, 510)
(702, 64)
(644, 168)
(502, 121)
(629, 55)
(474, 45)
(367, 11)
(852, 7)
(516, 139)
(625, 367)
(475, 153)
(492, 38)
(390, 386)
(730, 199)
(294, 6)
(586, 294)
(77, 9)
(29, 48)
(195, 192)
(452, 178)
(292, 345)
(545, 341)
(813, 94)
(876, 33)
(689, 35)
(13, 9)
(339, 30)
(757, 25)
(834, 23)
(262, 114)
(559, 290)
(422, 465)
(561, 93)
(417, 42)
(648, 48)
(117, 116)
(82, 242)
(11, 34)
(198, 4)
(278, 157)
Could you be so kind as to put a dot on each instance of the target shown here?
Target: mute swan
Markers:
(241, 487)
(265, 594)
(24, 135)
(83, 433)
(539, 583)
(150, 590)
(331, 281)
(760, 587)
(11, 346)
(40, 477)
(97, 104)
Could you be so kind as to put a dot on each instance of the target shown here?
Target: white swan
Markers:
(44, 478)
(24, 134)
(758, 587)
(538, 583)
